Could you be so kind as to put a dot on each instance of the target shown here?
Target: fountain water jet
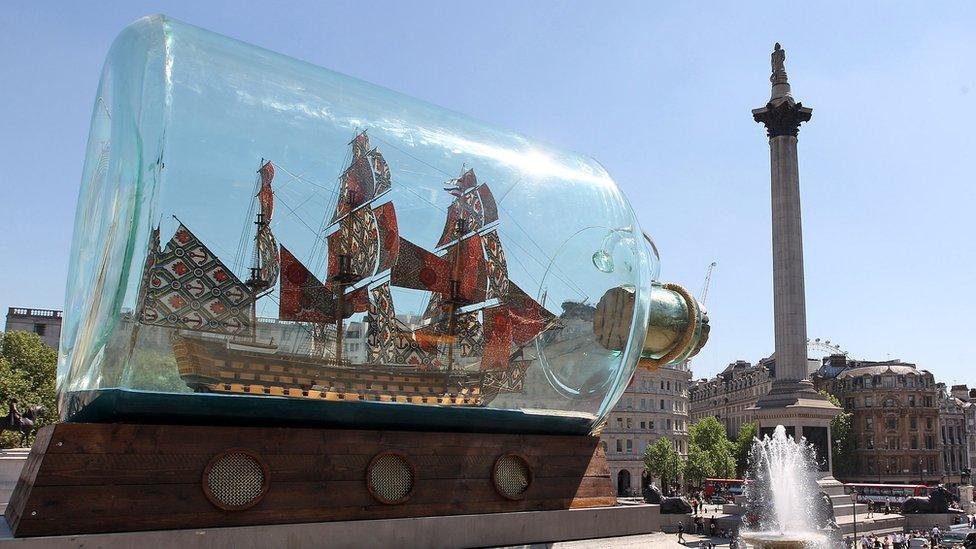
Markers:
(782, 495)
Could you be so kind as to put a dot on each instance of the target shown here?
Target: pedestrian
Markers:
(712, 526)
(681, 532)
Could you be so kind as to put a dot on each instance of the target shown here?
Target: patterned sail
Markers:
(473, 204)
(358, 238)
(419, 269)
(151, 257)
(467, 261)
(366, 178)
(303, 297)
(496, 266)
(266, 245)
(189, 288)
(389, 343)
(389, 236)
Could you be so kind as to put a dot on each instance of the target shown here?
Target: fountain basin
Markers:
(777, 540)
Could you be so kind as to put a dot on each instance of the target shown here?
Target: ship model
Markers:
(471, 342)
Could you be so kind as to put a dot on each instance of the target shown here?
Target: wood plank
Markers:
(99, 478)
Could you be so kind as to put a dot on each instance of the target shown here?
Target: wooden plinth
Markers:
(88, 478)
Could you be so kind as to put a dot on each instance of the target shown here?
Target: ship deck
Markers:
(120, 405)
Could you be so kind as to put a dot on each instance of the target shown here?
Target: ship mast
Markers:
(264, 266)
(459, 229)
(341, 279)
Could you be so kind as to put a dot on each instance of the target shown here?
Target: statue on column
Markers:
(778, 58)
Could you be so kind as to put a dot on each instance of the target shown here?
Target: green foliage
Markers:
(155, 371)
(842, 440)
(27, 372)
(697, 467)
(660, 460)
(743, 444)
(709, 436)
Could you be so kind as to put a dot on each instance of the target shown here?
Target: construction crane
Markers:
(708, 280)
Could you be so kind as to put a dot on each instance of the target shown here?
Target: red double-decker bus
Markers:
(724, 486)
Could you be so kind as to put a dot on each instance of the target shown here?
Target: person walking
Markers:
(681, 532)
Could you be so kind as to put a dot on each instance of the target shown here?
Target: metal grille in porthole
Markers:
(390, 478)
(235, 480)
(511, 476)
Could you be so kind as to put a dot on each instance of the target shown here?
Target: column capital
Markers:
(782, 116)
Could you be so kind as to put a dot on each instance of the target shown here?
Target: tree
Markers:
(697, 465)
(27, 371)
(709, 435)
(743, 445)
(842, 440)
(660, 460)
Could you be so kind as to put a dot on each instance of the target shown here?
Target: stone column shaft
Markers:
(789, 297)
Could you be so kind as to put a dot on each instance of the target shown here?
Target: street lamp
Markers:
(854, 510)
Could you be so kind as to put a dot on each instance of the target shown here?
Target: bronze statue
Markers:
(22, 423)
(778, 61)
(938, 501)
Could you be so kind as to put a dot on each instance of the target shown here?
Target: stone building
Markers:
(654, 405)
(43, 322)
(952, 429)
(731, 394)
(896, 418)
(967, 398)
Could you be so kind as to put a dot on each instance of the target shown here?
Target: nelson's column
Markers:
(792, 400)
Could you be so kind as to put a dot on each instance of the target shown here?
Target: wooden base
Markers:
(88, 478)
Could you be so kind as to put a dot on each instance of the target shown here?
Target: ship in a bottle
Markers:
(473, 340)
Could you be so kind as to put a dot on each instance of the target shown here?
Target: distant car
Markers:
(958, 537)
(917, 543)
(718, 500)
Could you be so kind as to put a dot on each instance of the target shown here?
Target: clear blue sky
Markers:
(659, 92)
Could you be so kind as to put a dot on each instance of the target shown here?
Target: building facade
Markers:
(729, 396)
(967, 400)
(952, 429)
(43, 322)
(654, 405)
(896, 419)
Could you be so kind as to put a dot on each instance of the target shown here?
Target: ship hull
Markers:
(210, 365)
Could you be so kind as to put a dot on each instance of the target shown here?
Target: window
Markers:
(643, 425)
(928, 423)
(662, 403)
(913, 423)
(650, 425)
(669, 385)
(669, 425)
(630, 446)
(888, 381)
(911, 401)
(891, 422)
(620, 423)
(39, 329)
(620, 445)
(630, 423)
(869, 443)
(928, 402)
(891, 443)
(868, 423)
(868, 402)
(914, 441)
(889, 403)
(930, 442)
(849, 404)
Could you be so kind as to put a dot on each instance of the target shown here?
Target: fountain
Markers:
(784, 503)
